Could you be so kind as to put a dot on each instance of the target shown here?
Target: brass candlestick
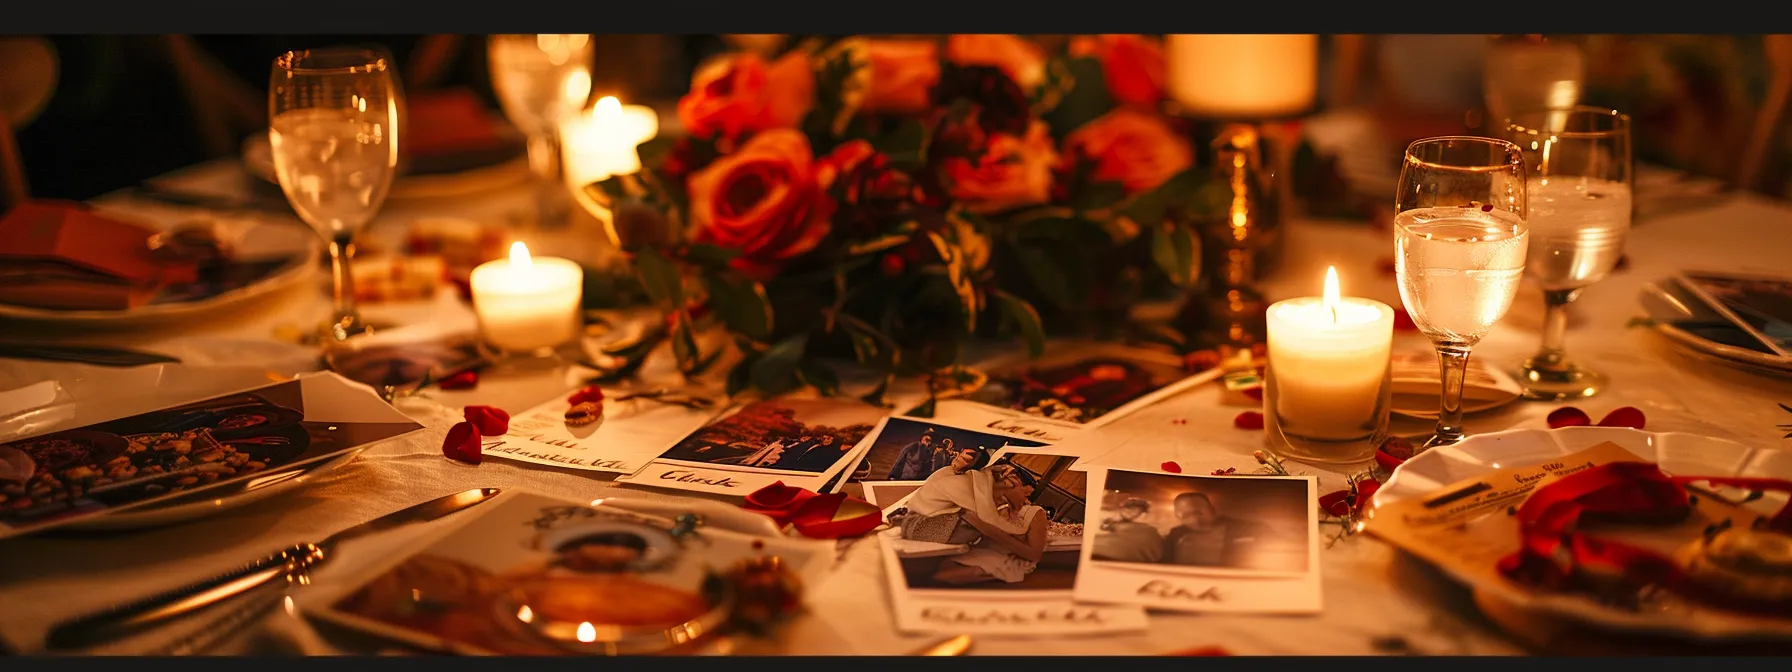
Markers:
(1241, 244)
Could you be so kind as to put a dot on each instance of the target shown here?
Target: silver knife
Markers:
(128, 619)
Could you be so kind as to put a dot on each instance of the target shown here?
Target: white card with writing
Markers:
(800, 442)
(1181, 542)
(991, 612)
(631, 433)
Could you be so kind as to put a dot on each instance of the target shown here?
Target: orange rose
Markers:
(1137, 149)
(1013, 172)
(903, 73)
(1133, 66)
(742, 94)
(763, 200)
(1023, 61)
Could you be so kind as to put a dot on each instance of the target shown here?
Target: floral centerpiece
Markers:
(892, 199)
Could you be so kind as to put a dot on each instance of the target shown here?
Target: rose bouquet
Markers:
(889, 200)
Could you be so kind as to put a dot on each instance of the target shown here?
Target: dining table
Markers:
(1376, 599)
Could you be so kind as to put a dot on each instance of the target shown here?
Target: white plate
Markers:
(299, 246)
(1665, 301)
(258, 159)
(1675, 453)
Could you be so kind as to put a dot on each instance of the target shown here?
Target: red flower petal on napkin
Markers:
(1567, 416)
(463, 444)
(1336, 503)
(490, 421)
(465, 380)
(1403, 320)
(1248, 420)
(1171, 467)
(589, 394)
(835, 516)
(1255, 393)
(1628, 416)
(777, 501)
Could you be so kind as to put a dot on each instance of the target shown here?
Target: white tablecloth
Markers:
(1371, 592)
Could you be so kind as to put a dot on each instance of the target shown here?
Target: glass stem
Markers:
(1453, 364)
(1553, 355)
(545, 160)
(342, 254)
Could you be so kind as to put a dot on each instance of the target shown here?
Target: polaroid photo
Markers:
(406, 356)
(1759, 304)
(631, 433)
(802, 442)
(1083, 384)
(1178, 542)
(995, 550)
(535, 575)
(911, 449)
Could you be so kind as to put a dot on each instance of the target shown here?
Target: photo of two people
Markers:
(801, 435)
(912, 450)
(1013, 525)
(1097, 382)
(1217, 522)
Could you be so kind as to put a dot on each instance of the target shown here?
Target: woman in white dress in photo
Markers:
(1014, 534)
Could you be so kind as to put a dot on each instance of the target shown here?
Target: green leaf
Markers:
(880, 244)
(1024, 318)
(817, 374)
(906, 145)
(743, 306)
(925, 410)
(684, 344)
(660, 279)
(958, 277)
(869, 345)
(842, 78)
(775, 372)
(1086, 99)
(740, 378)
(880, 395)
(710, 256)
(1182, 190)
(1043, 272)
(1177, 253)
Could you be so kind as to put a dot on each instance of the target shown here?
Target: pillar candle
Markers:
(1243, 76)
(527, 304)
(1328, 357)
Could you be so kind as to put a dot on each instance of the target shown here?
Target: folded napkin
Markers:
(64, 255)
(452, 130)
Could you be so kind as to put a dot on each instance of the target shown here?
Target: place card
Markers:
(801, 442)
(631, 434)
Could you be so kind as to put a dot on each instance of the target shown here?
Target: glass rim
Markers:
(373, 61)
(1595, 111)
(1513, 152)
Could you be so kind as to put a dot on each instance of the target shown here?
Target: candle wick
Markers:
(1334, 310)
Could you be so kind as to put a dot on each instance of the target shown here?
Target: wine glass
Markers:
(1579, 170)
(333, 123)
(1459, 250)
(540, 81)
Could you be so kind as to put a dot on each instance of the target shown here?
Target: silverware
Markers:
(956, 646)
(98, 356)
(289, 565)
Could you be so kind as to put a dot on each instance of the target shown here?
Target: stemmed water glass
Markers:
(1459, 250)
(1579, 170)
(333, 124)
(542, 80)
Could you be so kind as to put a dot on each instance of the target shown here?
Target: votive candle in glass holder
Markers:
(525, 305)
(1328, 383)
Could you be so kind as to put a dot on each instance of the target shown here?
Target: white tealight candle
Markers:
(1328, 371)
(527, 304)
(1243, 77)
(604, 141)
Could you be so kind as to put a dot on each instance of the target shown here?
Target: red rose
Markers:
(1023, 61)
(1133, 66)
(764, 200)
(1137, 149)
(1013, 172)
(858, 174)
(903, 73)
(741, 94)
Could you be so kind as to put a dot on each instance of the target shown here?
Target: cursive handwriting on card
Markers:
(554, 515)
(1023, 616)
(1026, 429)
(1164, 590)
(683, 476)
(520, 450)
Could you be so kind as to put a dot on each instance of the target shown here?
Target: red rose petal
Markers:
(465, 380)
(463, 444)
(1398, 448)
(1228, 471)
(1255, 393)
(1568, 416)
(1171, 467)
(1336, 503)
(1365, 489)
(1628, 416)
(835, 516)
(1403, 321)
(1248, 420)
(491, 421)
(1386, 461)
(589, 394)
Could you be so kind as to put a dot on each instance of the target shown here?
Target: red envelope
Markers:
(62, 254)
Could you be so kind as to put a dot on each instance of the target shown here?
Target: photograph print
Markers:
(1229, 523)
(790, 435)
(1013, 525)
(1761, 304)
(909, 449)
(1083, 385)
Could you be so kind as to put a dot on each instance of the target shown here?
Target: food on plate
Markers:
(70, 464)
(390, 278)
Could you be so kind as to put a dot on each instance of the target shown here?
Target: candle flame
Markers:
(587, 633)
(1331, 297)
(519, 255)
(608, 108)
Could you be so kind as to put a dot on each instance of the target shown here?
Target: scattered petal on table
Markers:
(1403, 320)
(1171, 467)
(1568, 416)
(1248, 420)
(463, 444)
(490, 420)
(1628, 416)
(590, 394)
(1336, 503)
(1201, 360)
(465, 380)
(1228, 471)
(1255, 393)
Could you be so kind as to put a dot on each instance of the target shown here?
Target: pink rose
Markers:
(1023, 61)
(1137, 149)
(763, 200)
(1013, 172)
(903, 73)
(742, 94)
(1133, 65)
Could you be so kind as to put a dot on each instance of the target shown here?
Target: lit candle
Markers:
(1243, 76)
(527, 304)
(604, 141)
(1328, 373)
